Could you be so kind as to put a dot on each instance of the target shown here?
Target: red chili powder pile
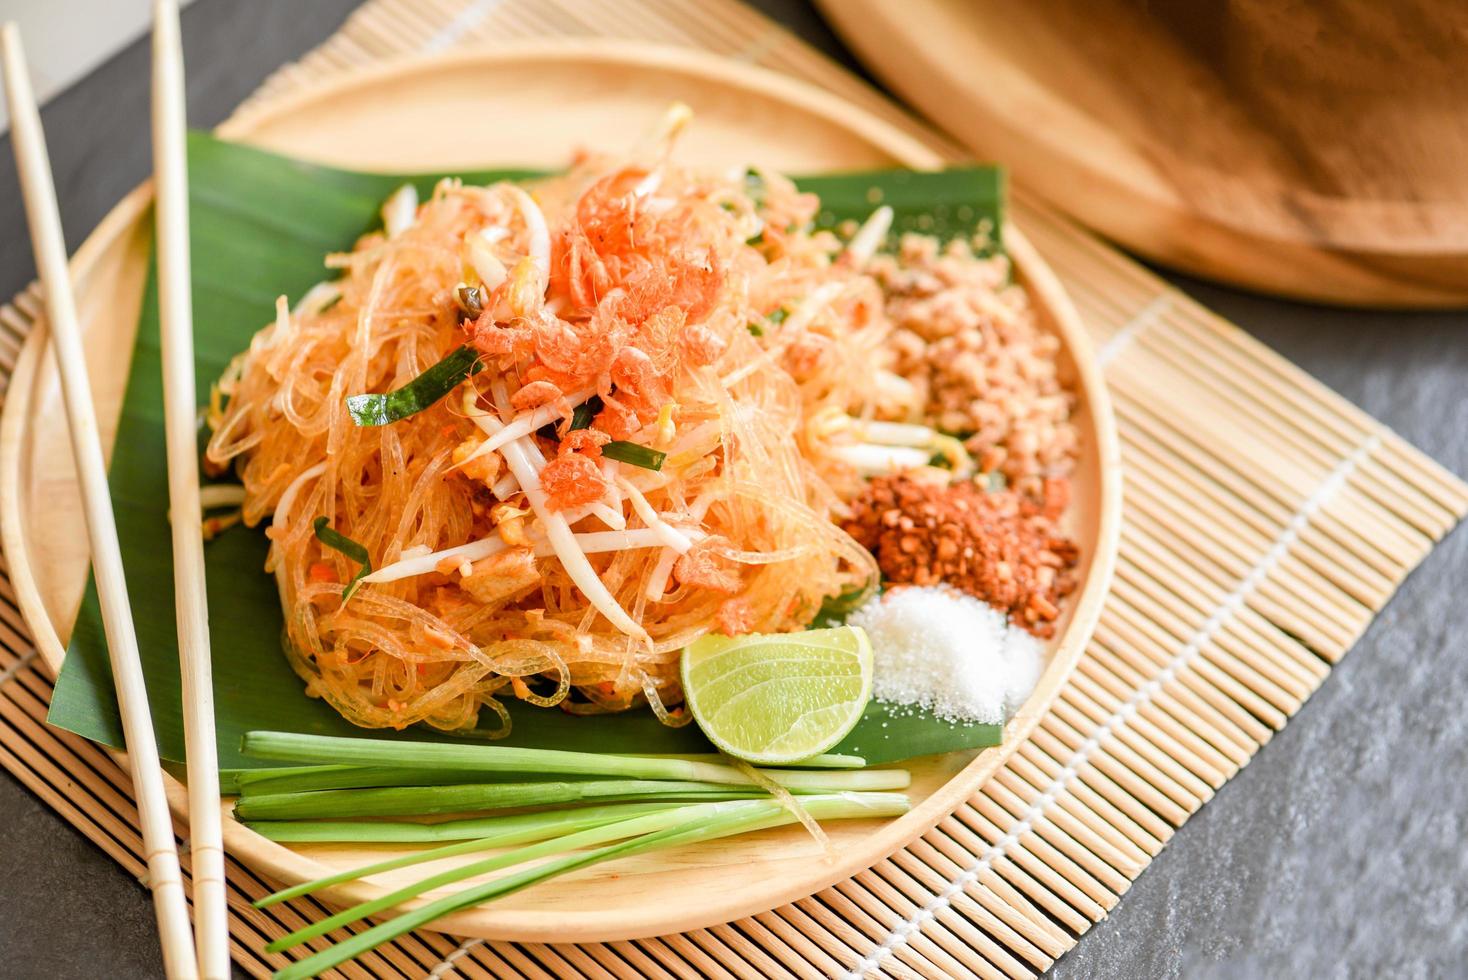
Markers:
(1002, 547)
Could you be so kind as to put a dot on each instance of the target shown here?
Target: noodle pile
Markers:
(629, 301)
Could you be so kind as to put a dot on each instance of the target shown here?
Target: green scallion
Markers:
(418, 394)
(634, 455)
(510, 829)
(585, 412)
(412, 801)
(340, 542)
(318, 749)
(682, 826)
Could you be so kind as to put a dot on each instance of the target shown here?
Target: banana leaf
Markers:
(260, 226)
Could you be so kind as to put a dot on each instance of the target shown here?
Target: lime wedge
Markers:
(778, 698)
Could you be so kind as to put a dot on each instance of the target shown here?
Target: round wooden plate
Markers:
(1298, 149)
(533, 104)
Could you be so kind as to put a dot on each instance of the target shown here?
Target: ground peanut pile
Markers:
(1002, 547)
(967, 339)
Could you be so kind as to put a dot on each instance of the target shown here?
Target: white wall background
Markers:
(65, 39)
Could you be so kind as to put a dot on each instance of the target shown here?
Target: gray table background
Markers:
(1339, 851)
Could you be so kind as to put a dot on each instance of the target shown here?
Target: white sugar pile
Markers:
(951, 653)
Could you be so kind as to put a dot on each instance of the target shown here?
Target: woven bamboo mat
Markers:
(1266, 522)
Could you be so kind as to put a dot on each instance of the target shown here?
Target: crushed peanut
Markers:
(982, 367)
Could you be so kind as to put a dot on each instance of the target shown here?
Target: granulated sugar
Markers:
(955, 655)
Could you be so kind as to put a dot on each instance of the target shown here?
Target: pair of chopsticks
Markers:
(165, 877)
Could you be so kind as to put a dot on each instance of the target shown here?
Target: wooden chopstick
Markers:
(176, 325)
(164, 876)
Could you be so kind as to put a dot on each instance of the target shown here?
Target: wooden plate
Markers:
(533, 104)
(1300, 149)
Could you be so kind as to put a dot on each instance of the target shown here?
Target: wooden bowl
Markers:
(538, 102)
(1312, 149)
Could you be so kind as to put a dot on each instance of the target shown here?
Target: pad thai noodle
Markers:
(536, 438)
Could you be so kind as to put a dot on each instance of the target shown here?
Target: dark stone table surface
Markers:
(1340, 851)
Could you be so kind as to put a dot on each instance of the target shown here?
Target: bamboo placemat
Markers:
(1266, 522)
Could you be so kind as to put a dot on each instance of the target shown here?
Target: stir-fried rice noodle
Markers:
(712, 325)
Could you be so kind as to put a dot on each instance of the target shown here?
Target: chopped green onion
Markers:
(340, 542)
(634, 455)
(777, 316)
(306, 779)
(585, 412)
(309, 779)
(995, 481)
(756, 330)
(418, 394)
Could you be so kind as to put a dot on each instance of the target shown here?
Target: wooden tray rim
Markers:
(608, 925)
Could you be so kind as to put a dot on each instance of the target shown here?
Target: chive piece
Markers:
(634, 455)
(585, 412)
(995, 481)
(778, 315)
(755, 330)
(470, 300)
(340, 542)
(418, 394)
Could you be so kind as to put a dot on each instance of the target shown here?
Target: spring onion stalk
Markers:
(315, 749)
(638, 826)
(787, 799)
(509, 829)
(306, 779)
(626, 823)
(411, 801)
(540, 831)
(683, 826)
